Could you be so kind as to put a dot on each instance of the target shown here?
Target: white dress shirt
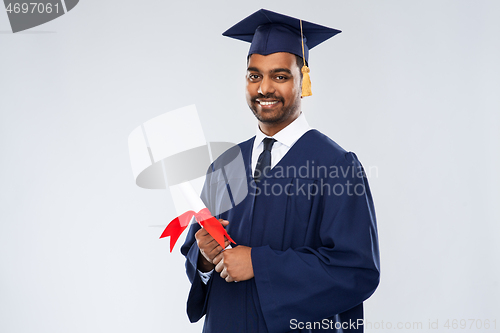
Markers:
(285, 139)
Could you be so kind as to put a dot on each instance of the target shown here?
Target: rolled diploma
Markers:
(193, 200)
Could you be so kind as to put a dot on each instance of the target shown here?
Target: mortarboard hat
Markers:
(270, 32)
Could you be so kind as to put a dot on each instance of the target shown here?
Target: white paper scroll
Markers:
(170, 151)
(161, 137)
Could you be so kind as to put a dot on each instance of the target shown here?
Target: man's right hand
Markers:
(209, 248)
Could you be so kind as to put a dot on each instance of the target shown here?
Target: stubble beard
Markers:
(282, 115)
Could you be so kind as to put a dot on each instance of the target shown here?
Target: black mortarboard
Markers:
(271, 32)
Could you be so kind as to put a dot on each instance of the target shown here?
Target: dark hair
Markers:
(300, 61)
(300, 64)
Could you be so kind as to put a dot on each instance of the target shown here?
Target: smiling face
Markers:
(273, 90)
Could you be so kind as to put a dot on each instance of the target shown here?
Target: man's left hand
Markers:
(235, 264)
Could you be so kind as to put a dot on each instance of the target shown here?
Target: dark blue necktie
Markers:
(264, 161)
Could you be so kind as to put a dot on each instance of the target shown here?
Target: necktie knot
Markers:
(268, 143)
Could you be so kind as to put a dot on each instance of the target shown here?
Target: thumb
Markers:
(224, 222)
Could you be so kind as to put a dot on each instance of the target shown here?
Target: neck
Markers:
(270, 129)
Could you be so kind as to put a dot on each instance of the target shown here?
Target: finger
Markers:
(212, 246)
(217, 259)
(211, 249)
(224, 274)
(229, 279)
(215, 251)
(205, 243)
(208, 243)
(220, 266)
(206, 256)
(224, 222)
(200, 233)
(207, 238)
(218, 248)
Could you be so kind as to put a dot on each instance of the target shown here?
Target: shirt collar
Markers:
(288, 135)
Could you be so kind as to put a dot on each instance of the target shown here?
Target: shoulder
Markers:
(317, 145)
(322, 141)
(227, 154)
(228, 151)
(247, 145)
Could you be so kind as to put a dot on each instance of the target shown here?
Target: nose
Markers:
(266, 86)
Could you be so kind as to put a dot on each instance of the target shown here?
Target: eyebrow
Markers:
(272, 71)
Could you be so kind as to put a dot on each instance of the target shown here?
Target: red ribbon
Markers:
(175, 228)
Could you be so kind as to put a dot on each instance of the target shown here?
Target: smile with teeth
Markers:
(267, 103)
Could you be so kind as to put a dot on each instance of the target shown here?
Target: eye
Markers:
(253, 77)
(281, 77)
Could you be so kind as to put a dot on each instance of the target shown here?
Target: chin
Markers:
(267, 118)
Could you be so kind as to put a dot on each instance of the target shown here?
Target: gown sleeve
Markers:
(198, 294)
(197, 299)
(331, 277)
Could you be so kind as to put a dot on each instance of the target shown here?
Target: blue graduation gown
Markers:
(314, 245)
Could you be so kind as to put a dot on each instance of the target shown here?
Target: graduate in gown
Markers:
(306, 230)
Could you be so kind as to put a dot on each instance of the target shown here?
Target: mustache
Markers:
(269, 96)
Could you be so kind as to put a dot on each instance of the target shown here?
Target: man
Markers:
(307, 250)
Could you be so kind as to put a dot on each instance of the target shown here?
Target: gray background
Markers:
(411, 86)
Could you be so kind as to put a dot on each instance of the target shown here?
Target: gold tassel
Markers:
(306, 81)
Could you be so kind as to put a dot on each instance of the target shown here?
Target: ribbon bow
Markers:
(204, 218)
